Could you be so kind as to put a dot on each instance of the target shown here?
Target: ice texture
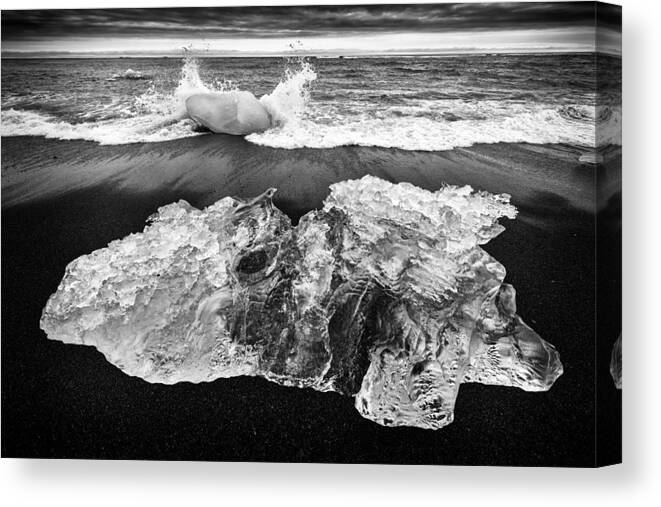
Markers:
(616, 362)
(384, 294)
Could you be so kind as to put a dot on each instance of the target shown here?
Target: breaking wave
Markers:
(538, 124)
(155, 115)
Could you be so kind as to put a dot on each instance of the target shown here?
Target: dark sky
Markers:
(445, 25)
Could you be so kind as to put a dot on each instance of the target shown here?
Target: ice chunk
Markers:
(234, 112)
(384, 294)
(616, 362)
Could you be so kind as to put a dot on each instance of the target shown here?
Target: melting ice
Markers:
(384, 295)
(616, 362)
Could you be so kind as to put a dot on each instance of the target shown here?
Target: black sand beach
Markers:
(63, 199)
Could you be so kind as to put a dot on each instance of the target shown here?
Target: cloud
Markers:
(272, 22)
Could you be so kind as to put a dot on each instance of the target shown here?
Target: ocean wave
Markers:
(420, 132)
(115, 131)
(402, 119)
(153, 116)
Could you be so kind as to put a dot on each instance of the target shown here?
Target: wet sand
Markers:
(205, 168)
(63, 199)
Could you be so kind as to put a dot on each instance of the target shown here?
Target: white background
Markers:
(636, 482)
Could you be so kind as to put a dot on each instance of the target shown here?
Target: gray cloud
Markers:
(297, 21)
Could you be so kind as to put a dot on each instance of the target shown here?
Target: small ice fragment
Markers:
(616, 362)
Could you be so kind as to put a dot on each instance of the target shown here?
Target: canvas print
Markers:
(340, 233)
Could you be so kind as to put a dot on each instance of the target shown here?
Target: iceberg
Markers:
(384, 295)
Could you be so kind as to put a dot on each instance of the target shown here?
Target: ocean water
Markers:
(410, 103)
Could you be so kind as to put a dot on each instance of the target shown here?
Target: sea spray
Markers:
(173, 103)
(191, 82)
(287, 103)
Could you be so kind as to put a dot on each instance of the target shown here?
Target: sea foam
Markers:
(537, 125)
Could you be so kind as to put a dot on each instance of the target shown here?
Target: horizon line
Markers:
(24, 55)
